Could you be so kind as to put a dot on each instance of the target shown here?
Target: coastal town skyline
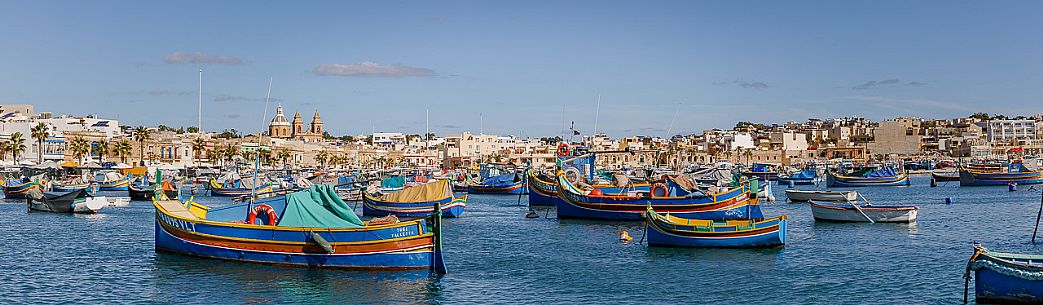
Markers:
(672, 68)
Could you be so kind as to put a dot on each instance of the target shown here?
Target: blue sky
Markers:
(379, 65)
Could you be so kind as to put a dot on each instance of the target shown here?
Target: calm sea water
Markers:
(496, 255)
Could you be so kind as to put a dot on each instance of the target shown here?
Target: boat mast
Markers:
(260, 134)
(200, 125)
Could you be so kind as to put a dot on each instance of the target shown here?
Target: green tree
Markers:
(198, 145)
(39, 132)
(122, 149)
(102, 149)
(322, 157)
(17, 145)
(142, 134)
(79, 148)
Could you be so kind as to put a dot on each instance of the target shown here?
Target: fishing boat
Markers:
(310, 228)
(666, 230)
(237, 187)
(113, 181)
(416, 201)
(943, 178)
(1015, 172)
(884, 176)
(70, 185)
(734, 203)
(1001, 278)
(77, 201)
(145, 192)
(544, 192)
(852, 212)
(18, 188)
(509, 184)
(804, 177)
(762, 171)
(831, 196)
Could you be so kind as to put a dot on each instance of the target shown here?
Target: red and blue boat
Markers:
(543, 192)
(236, 188)
(18, 188)
(734, 203)
(1015, 172)
(508, 184)
(1005, 278)
(883, 176)
(416, 201)
(804, 177)
(666, 230)
(309, 228)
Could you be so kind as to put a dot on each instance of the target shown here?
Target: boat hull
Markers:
(451, 207)
(835, 181)
(402, 246)
(806, 196)
(1003, 278)
(543, 193)
(877, 214)
(146, 194)
(19, 191)
(664, 234)
(515, 189)
(732, 204)
(968, 178)
(796, 181)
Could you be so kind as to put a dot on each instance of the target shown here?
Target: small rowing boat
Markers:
(942, 178)
(18, 188)
(1014, 172)
(1005, 277)
(666, 230)
(510, 184)
(885, 176)
(852, 212)
(831, 196)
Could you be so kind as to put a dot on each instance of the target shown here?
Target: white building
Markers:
(22, 121)
(1006, 130)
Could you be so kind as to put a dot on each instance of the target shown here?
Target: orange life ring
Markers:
(563, 150)
(262, 208)
(658, 186)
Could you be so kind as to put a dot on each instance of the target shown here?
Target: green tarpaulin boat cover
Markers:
(318, 207)
(393, 182)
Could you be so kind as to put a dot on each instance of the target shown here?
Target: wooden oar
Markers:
(1037, 217)
(860, 211)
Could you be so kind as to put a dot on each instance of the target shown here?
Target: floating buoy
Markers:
(1012, 186)
(532, 214)
(934, 182)
(791, 183)
(625, 236)
(948, 200)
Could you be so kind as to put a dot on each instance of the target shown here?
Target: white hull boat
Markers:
(829, 196)
(848, 212)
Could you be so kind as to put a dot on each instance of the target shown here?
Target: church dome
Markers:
(280, 118)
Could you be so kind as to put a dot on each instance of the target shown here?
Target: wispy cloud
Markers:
(371, 69)
(200, 58)
(906, 104)
(744, 84)
(893, 82)
(235, 98)
(159, 92)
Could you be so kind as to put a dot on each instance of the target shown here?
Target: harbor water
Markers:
(496, 255)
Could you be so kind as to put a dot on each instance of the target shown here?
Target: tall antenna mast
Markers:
(200, 126)
(260, 133)
(427, 128)
(670, 129)
(562, 121)
(597, 111)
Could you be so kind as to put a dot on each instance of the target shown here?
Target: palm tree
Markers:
(321, 157)
(748, 153)
(39, 132)
(198, 145)
(79, 148)
(122, 149)
(4, 149)
(142, 134)
(215, 155)
(17, 145)
(101, 150)
(230, 152)
(284, 156)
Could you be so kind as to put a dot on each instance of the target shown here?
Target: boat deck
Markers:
(174, 207)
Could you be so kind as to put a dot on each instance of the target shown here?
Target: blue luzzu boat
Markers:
(416, 201)
(671, 231)
(114, 183)
(734, 203)
(1005, 277)
(510, 184)
(18, 188)
(804, 177)
(311, 228)
(765, 172)
(1015, 172)
(545, 193)
(885, 176)
(235, 188)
